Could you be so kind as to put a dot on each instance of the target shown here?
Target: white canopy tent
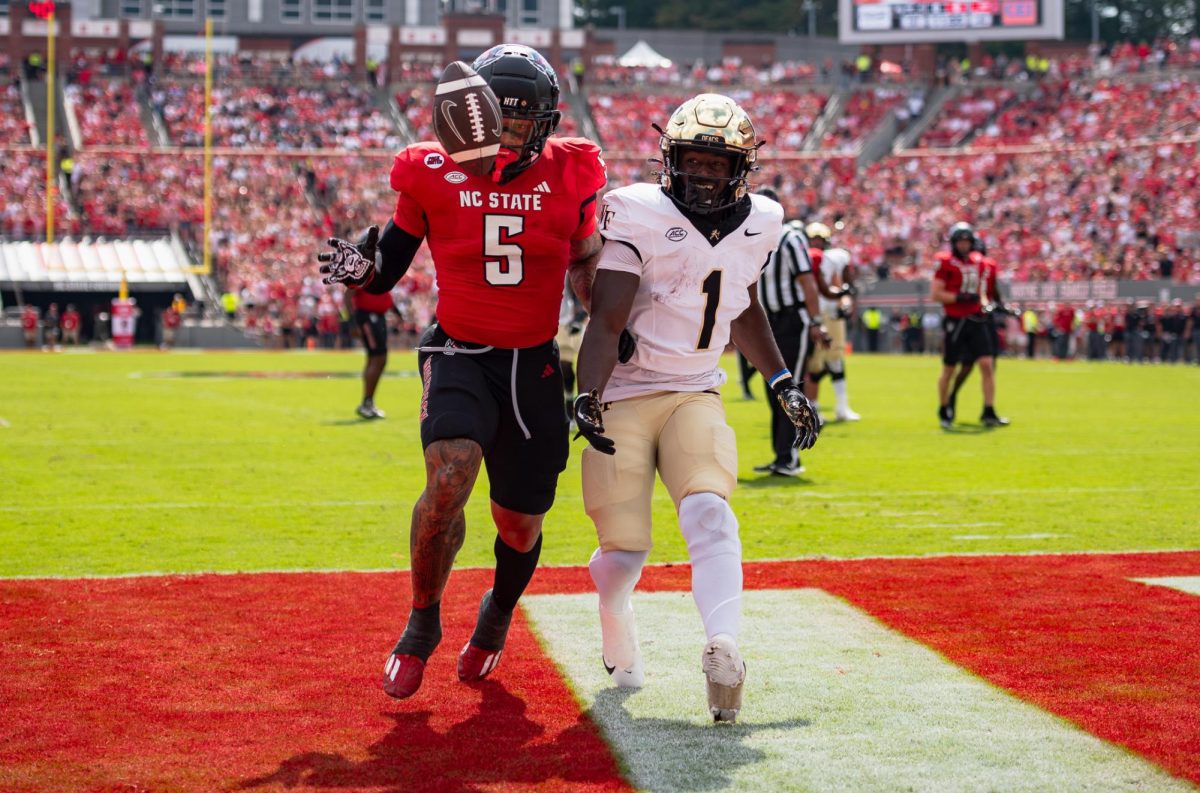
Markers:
(642, 54)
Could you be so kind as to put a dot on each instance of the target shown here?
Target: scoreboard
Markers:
(914, 21)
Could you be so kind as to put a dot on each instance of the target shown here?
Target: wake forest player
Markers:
(966, 286)
(836, 280)
(493, 391)
(680, 265)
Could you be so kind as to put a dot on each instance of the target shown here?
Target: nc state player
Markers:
(963, 283)
(680, 267)
(501, 245)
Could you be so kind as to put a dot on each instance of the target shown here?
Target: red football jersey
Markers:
(70, 320)
(499, 251)
(29, 319)
(970, 275)
(363, 300)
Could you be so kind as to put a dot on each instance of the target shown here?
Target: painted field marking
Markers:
(834, 701)
(1188, 584)
(4, 423)
(1043, 536)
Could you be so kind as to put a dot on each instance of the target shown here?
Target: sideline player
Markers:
(369, 312)
(836, 283)
(963, 284)
(492, 386)
(680, 265)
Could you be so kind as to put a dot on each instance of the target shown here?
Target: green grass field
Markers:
(149, 462)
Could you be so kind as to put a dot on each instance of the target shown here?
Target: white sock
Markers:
(710, 528)
(615, 574)
(839, 390)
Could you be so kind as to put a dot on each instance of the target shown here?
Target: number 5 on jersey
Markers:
(503, 264)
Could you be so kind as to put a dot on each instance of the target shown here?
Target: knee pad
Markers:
(837, 369)
(709, 526)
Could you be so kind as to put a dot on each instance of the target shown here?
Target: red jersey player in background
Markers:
(501, 245)
(29, 325)
(966, 286)
(70, 324)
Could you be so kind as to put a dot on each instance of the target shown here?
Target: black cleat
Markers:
(990, 419)
(945, 417)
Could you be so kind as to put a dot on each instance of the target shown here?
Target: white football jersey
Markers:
(833, 264)
(691, 289)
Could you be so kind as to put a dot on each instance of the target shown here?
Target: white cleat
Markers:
(621, 656)
(848, 415)
(725, 672)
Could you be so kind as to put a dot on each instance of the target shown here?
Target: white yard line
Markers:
(833, 701)
(1189, 584)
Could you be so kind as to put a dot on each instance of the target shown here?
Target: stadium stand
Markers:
(1106, 189)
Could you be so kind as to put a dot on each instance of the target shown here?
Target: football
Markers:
(466, 119)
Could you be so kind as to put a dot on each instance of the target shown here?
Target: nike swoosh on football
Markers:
(750, 233)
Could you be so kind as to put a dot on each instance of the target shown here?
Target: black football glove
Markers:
(351, 264)
(626, 346)
(800, 411)
(848, 290)
(586, 410)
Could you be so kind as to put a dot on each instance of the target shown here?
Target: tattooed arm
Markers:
(581, 268)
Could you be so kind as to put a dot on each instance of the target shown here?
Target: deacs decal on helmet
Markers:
(527, 88)
(715, 124)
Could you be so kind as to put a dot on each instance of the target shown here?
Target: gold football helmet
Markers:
(715, 124)
(818, 231)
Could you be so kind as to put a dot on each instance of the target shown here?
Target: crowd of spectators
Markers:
(14, 128)
(863, 112)
(1106, 211)
(23, 197)
(338, 115)
(968, 111)
(1078, 111)
(106, 111)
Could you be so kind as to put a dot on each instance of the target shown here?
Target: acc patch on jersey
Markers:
(467, 119)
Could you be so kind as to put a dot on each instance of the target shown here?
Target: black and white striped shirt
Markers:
(777, 287)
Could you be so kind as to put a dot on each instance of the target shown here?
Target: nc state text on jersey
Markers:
(519, 201)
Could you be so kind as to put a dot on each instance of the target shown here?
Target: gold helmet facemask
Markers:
(711, 123)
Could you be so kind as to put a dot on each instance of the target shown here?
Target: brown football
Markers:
(466, 119)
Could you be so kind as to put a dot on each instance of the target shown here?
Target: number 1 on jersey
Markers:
(712, 299)
(502, 264)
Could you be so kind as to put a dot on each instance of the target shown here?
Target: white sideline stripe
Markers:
(193, 505)
(833, 496)
(833, 701)
(1188, 584)
(467, 155)
(474, 81)
(954, 525)
(377, 570)
(1012, 491)
(1006, 536)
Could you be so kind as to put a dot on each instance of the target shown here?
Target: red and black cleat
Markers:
(481, 655)
(402, 675)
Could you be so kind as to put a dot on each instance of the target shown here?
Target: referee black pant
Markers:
(790, 330)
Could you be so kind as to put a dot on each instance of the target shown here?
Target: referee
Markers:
(787, 290)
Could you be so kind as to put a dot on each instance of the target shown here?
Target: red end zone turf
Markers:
(266, 682)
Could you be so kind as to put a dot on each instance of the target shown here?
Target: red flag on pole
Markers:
(42, 9)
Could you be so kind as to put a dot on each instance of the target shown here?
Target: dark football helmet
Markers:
(710, 123)
(527, 88)
(962, 231)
